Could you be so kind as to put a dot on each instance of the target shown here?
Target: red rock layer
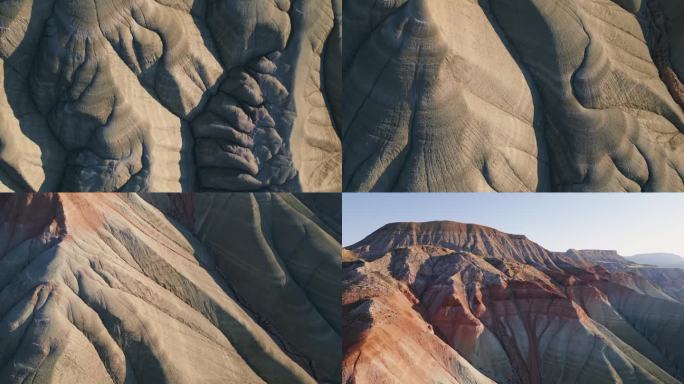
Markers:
(510, 309)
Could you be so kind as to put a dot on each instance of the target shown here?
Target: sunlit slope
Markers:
(530, 95)
(104, 288)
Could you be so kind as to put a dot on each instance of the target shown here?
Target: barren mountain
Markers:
(444, 302)
(524, 95)
(205, 288)
(659, 259)
(170, 95)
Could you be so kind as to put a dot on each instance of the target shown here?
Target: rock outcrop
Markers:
(529, 95)
(205, 288)
(445, 302)
(167, 96)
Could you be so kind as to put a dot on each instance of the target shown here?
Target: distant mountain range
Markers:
(669, 260)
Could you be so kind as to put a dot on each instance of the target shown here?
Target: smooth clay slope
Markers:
(445, 302)
(524, 95)
(170, 95)
(119, 288)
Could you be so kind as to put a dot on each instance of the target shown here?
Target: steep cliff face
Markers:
(448, 302)
(114, 288)
(167, 96)
(529, 95)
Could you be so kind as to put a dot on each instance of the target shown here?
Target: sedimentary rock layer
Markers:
(529, 95)
(207, 288)
(172, 95)
(445, 302)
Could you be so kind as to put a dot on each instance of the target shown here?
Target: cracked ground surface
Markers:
(525, 95)
(170, 95)
(170, 288)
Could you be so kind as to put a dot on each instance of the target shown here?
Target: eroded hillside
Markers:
(206, 288)
(170, 95)
(444, 302)
(525, 95)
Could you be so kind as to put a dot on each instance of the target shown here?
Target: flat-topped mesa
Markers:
(503, 306)
(599, 256)
(477, 239)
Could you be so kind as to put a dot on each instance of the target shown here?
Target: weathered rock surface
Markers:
(169, 95)
(498, 95)
(445, 302)
(205, 288)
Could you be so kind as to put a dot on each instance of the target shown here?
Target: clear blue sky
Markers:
(629, 223)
